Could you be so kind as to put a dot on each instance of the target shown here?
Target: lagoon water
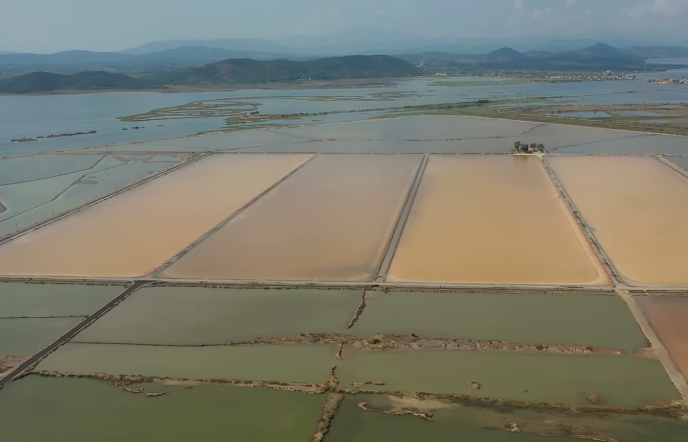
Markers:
(39, 300)
(84, 410)
(192, 315)
(523, 318)
(30, 116)
(271, 363)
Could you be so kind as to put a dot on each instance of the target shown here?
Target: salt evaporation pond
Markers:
(176, 315)
(274, 363)
(33, 201)
(40, 300)
(632, 205)
(25, 337)
(575, 319)
(80, 410)
(681, 161)
(627, 381)
(668, 317)
(330, 221)
(492, 220)
(136, 232)
(487, 424)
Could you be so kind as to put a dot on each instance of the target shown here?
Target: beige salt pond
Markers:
(136, 232)
(330, 221)
(636, 207)
(668, 317)
(495, 219)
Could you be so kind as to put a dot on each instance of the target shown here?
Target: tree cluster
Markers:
(527, 148)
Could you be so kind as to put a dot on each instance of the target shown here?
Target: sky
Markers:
(45, 26)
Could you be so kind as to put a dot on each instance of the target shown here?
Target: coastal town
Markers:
(683, 81)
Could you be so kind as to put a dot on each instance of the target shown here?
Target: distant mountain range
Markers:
(226, 72)
(599, 56)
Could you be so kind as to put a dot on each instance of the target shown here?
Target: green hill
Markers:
(252, 71)
(225, 72)
(83, 81)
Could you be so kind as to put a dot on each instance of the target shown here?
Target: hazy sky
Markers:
(54, 25)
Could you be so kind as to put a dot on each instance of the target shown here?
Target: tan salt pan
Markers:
(668, 317)
(637, 208)
(136, 232)
(492, 219)
(331, 220)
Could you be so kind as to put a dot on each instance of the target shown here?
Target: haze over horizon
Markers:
(46, 26)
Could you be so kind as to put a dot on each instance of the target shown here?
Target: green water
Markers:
(38, 167)
(209, 316)
(619, 381)
(521, 318)
(25, 337)
(54, 299)
(78, 410)
(485, 424)
(279, 363)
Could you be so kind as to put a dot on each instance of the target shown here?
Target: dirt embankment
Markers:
(331, 406)
(124, 381)
(415, 342)
(7, 363)
(2, 208)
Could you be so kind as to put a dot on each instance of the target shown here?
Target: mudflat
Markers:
(633, 206)
(330, 221)
(495, 219)
(136, 232)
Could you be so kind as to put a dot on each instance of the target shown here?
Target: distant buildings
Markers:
(670, 81)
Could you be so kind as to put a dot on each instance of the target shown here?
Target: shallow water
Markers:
(278, 363)
(169, 315)
(54, 299)
(330, 221)
(594, 320)
(583, 114)
(16, 170)
(25, 337)
(486, 424)
(136, 232)
(667, 315)
(80, 410)
(491, 220)
(619, 380)
(632, 205)
(681, 161)
(41, 199)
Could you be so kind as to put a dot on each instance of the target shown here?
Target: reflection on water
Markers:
(193, 315)
(594, 320)
(136, 232)
(330, 221)
(632, 205)
(80, 410)
(669, 318)
(491, 220)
